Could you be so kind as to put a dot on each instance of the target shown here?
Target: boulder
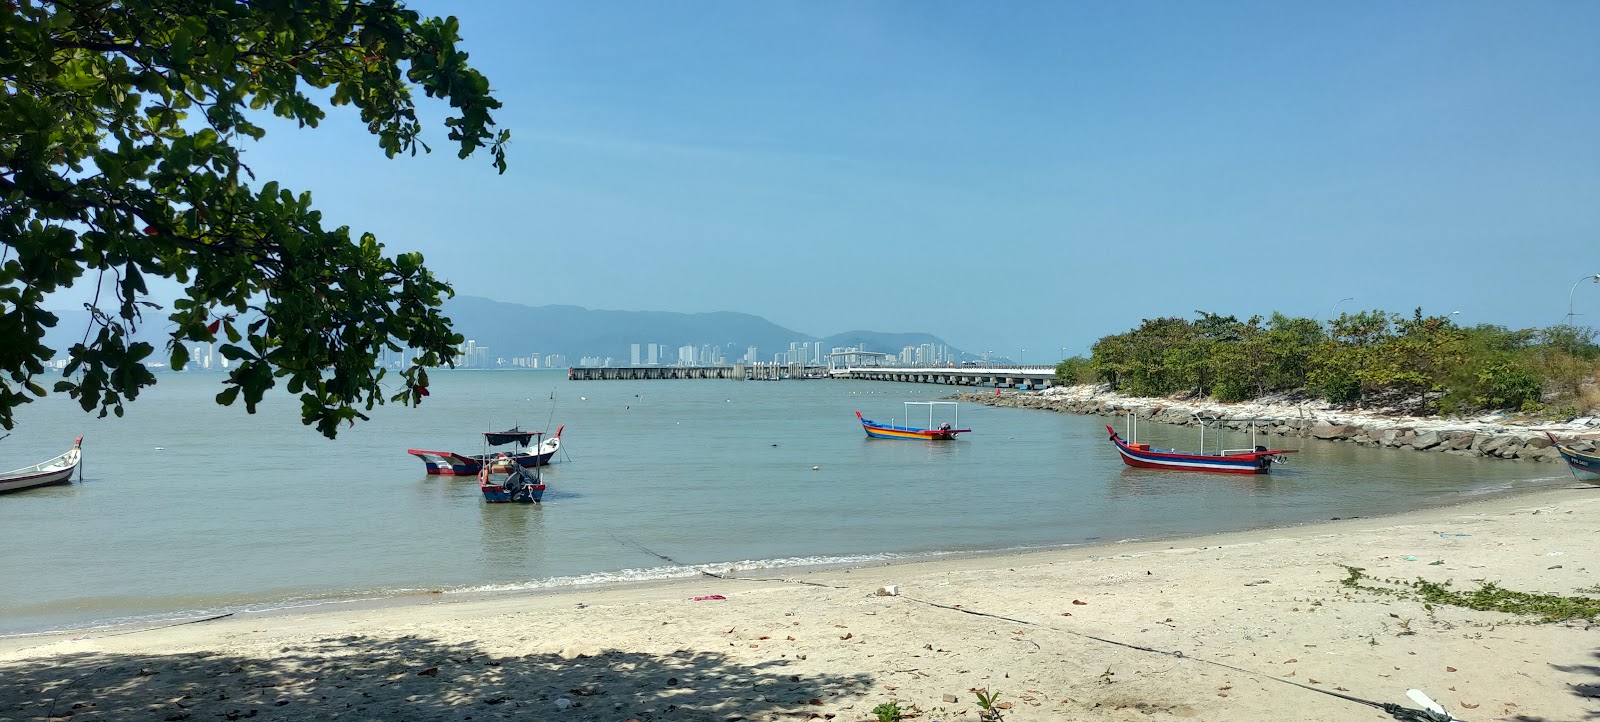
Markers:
(1334, 431)
(1548, 453)
(1497, 446)
(1462, 441)
(1426, 440)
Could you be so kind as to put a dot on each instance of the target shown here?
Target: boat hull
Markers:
(55, 471)
(62, 476)
(1586, 467)
(1141, 456)
(448, 463)
(496, 490)
(887, 431)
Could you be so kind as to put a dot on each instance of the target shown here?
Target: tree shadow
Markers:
(1587, 687)
(415, 679)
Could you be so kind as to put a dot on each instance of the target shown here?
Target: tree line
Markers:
(1428, 363)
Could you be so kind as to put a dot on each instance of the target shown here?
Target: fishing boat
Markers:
(55, 471)
(503, 478)
(943, 432)
(1253, 460)
(1585, 465)
(527, 454)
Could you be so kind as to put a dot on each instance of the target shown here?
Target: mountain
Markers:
(513, 330)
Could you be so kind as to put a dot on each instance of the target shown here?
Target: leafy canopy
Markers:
(121, 125)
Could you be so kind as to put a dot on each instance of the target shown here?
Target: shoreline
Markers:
(675, 572)
(1267, 600)
(1490, 436)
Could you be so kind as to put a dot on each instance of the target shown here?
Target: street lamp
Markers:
(1335, 312)
(1019, 357)
(1063, 353)
(1570, 314)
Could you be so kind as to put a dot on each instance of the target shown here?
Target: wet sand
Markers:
(1082, 633)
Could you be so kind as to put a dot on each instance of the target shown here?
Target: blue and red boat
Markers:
(1585, 466)
(503, 480)
(527, 454)
(942, 432)
(1253, 460)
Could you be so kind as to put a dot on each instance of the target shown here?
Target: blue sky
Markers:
(1007, 176)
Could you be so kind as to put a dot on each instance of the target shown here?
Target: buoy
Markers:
(814, 468)
(583, 398)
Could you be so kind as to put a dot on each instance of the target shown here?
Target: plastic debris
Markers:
(710, 597)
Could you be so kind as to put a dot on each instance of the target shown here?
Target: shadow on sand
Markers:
(356, 678)
(1587, 688)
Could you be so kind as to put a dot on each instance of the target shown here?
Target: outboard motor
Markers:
(514, 484)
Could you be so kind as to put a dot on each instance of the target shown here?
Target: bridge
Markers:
(747, 372)
(1016, 377)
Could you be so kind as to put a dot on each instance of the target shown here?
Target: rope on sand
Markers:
(165, 626)
(1403, 714)
(714, 575)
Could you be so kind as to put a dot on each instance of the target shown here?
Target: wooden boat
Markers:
(1585, 465)
(55, 471)
(448, 463)
(942, 432)
(503, 478)
(1254, 460)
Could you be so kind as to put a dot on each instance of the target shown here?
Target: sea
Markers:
(188, 509)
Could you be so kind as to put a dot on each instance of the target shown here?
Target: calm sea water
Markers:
(187, 507)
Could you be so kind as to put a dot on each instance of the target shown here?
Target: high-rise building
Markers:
(635, 353)
(652, 354)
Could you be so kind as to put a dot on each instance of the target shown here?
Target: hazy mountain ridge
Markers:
(577, 332)
(513, 330)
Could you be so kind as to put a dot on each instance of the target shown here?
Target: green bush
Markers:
(1508, 386)
(1075, 370)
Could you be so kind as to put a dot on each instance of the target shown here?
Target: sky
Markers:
(1020, 177)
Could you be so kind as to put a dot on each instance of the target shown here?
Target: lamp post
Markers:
(1019, 357)
(1063, 353)
(1333, 314)
(1570, 314)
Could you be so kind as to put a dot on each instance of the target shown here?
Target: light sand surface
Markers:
(822, 645)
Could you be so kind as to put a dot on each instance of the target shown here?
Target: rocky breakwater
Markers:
(1490, 436)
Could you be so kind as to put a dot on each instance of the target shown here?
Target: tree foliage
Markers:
(121, 129)
(1428, 361)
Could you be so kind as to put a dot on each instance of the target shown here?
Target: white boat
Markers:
(54, 471)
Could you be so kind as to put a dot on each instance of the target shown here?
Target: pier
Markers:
(1014, 377)
(742, 372)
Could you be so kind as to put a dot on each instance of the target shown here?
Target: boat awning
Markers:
(501, 438)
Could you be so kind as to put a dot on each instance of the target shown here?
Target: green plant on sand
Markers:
(888, 711)
(988, 707)
(1489, 597)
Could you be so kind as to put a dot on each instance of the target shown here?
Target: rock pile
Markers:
(1491, 436)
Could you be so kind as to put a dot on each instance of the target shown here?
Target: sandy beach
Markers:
(1056, 633)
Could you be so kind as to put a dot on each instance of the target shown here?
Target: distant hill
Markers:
(512, 330)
